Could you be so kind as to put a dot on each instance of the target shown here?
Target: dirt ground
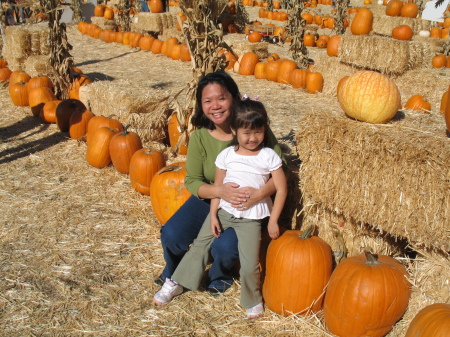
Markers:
(80, 248)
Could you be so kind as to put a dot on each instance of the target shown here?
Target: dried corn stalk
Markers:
(341, 14)
(60, 59)
(296, 30)
(204, 40)
(269, 6)
(76, 7)
(241, 19)
(123, 15)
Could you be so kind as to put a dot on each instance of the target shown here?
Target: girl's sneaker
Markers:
(256, 311)
(169, 290)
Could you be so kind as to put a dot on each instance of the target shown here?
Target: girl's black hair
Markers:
(199, 120)
(251, 115)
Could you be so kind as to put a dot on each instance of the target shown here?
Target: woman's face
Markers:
(216, 104)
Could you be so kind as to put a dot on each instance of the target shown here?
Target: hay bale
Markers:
(154, 22)
(145, 110)
(393, 177)
(36, 65)
(104, 23)
(167, 33)
(18, 42)
(259, 48)
(387, 55)
(383, 25)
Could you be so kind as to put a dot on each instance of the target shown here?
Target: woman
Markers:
(216, 93)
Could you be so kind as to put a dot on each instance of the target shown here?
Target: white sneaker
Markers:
(169, 290)
(256, 311)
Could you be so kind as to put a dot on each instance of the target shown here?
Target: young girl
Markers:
(247, 163)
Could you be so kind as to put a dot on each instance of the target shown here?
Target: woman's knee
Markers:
(225, 246)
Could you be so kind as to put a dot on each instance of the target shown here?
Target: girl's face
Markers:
(216, 104)
(250, 140)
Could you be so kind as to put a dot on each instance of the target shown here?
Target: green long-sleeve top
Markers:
(202, 152)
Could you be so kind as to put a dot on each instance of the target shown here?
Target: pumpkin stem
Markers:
(308, 232)
(372, 259)
(125, 129)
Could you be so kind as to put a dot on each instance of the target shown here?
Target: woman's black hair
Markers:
(251, 115)
(199, 120)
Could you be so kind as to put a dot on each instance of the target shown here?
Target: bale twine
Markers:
(383, 25)
(36, 65)
(392, 177)
(387, 55)
(104, 23)
(144, 109)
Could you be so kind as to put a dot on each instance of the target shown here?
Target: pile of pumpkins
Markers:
(108, 141)
(171, 47)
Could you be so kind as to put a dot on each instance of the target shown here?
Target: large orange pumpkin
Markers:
(144, 164)
(248, 63)
(370, 97)
(285, 70)
(78, 123)
(433, 320)
(298, 267)
(122, 147)
(19, 93)
(362, 22)
(272, 70)
(97, 152)
(314, 82)
(167, 191)
(37, 97)
(366, 295)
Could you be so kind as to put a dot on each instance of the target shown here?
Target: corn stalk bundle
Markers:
(204, 40)
(60, 59)
(241, 18)
(296, 30)
(341, 13)
(76, 7)
(123, 15)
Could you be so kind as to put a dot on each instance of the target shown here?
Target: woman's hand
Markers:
(236, 196)
(254, 196)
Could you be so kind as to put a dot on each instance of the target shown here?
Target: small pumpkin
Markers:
(78, 123)
(48, 112)
(418, 103)
(167, 191)
(403, 32)
(156, 6)
(37, 97)
(369, 96)
(298, 267)
(367, 294)
(5, 74)
(439, 61)
(409, 10)
(254, 37)
(433, 320)
(3, 63)
(333, 45)
(97, 152)
(122, 147)
(394, 8)
(314, 82)
(144, 164)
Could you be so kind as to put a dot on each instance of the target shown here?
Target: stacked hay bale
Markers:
(104, 23)
(380, 185)
(146, 111)
(27, 48)
(153, 22)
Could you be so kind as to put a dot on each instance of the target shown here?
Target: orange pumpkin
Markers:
(144, 164)
(97, 122)
(5, 74)
(260, 70)
(122, 147)
(167, 191)
(37, 97)
(418, 102)
(394, 8)
(314, 82)
(403, 32)
(298, 78)
(3, 63)
(298, 267)
(40, 81)
(333, 45)
(285, 70)
(19, 93)
(248, 63)
(156, 46)
(362, 22)
(156, 6)
(97, 152)
(433, 320)
(254, 37)
(145, 43)
(409, 10)
(447, 111)
(78, 123)
(48, 112)
(78, 82)
(366, 296)
(370, 97)
(272, 70)
(443, 102)
(439, 61)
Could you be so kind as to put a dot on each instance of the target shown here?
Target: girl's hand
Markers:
(231, 193)
(274, 230)
(215, 227)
